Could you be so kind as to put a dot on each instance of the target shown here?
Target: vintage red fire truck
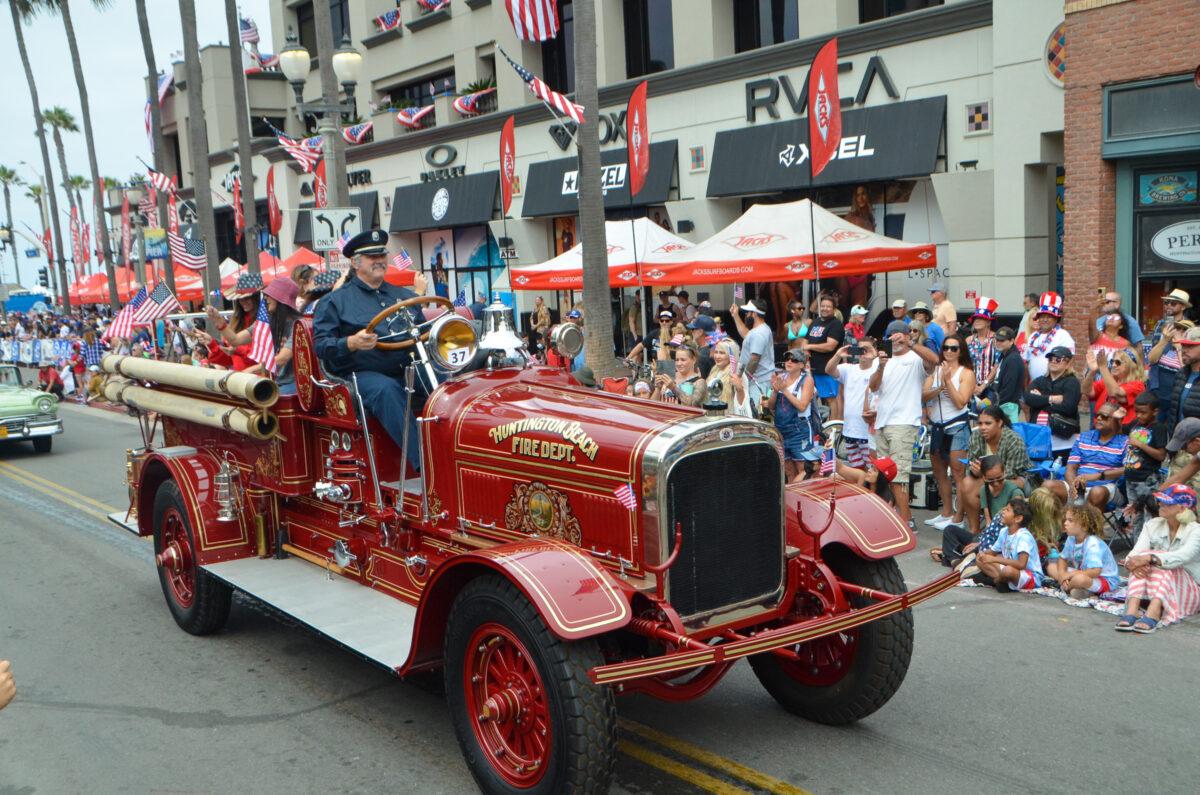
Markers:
(560, 546)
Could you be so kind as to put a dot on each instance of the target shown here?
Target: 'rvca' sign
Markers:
(764, 93)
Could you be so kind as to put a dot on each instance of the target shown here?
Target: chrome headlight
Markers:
(452, 342)
(44, 405)
(346, 441)
(335, 440)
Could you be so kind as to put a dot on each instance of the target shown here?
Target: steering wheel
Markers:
(396, 307)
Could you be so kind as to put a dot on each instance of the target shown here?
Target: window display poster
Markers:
(1167, 187)
(437, 258)
(477, 255)
(564, 234)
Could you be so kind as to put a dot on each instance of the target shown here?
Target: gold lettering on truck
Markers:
(570, 431)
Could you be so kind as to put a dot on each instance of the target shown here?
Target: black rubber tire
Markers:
(880, 662)
(42, 444)
(210, 609)
(583, 716)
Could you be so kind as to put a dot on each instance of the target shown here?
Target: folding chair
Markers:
(615, 385)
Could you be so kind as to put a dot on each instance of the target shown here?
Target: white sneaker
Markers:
(939, 521)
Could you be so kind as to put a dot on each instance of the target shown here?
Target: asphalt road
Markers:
(1005, 692)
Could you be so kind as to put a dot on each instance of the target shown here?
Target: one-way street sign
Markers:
(330, 224)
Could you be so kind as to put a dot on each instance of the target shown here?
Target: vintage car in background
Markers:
(26, 413)
(558, 548)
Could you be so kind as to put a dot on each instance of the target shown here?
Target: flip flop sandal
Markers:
(936, 555)
(1125, 623)
(1145, 625)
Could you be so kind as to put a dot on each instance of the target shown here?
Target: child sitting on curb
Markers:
(1012, 560)
(1086, 566)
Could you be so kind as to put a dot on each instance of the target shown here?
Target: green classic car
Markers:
(26, 413)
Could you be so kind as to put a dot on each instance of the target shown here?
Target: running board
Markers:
(360, 619)
(125, 521)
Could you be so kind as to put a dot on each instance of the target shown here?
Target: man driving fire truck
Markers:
(344, 345)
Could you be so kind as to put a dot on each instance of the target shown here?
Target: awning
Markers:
(774, 242)
(466, 201)
(902, 139)
(367, 203)
(630, 244)
(552, 187)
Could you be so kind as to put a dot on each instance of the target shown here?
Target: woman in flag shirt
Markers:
(274, 343)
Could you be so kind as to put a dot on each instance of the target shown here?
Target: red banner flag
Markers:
(48, 244)
(508, 165)
(239, 215)
(76, 253)
(85, 245)
(638, 138)
(274, 214)
(172, 213)
(126, 231)
(319, 190)
(824, 109)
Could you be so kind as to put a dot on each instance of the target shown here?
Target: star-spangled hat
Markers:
(324, 281)
(985, 308)
(373, 241)
(1178, 494)
(247, 284)
(1050, 304)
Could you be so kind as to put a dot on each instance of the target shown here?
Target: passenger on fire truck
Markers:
(345, 346)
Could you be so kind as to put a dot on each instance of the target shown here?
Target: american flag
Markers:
(625, 496)
(429, 6)
(388, 20)
(122, 325)
(1043, 418)
(342, 241)
(267, 60)
(357, 133)
(262, 346)
(247, 30)
(411, 117)
(301, 152)
(533, 20)
(556, 101)
(159, 303)
(468, 104)
(164, 84)
(828, 464)
(187, 252)
(402, 260)
(148, 206)
(161, 181)
(460, 299)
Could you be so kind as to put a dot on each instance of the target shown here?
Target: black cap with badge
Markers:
(373, 241)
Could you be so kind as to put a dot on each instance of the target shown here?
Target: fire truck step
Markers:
(120, 519)
(365, 621)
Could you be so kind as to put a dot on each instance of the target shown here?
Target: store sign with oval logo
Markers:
(441, 203)
(1178, 242)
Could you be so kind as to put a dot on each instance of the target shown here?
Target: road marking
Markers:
(737, 770)
(694, 776)
(21, 472)
(698, 779)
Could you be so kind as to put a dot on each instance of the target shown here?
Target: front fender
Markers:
(574, 595)
(862, 521)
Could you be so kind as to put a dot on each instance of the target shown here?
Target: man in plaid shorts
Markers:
(854, 376)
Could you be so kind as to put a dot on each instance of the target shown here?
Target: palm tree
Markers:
(9, 178)
(160, 141)
(597, 311)
(198, 141)
(60, 120)
(78, 184)
(23, 10)
(245, 155)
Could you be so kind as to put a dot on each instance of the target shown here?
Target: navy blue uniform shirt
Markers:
(348, 310)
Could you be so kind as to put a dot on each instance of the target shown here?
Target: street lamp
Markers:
(347, 65)
(295, 62)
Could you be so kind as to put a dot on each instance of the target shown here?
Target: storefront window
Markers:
(464, 263)
(872, 10)
(558, 54)
(420, 93)
(306, 24)
(761, 23)
(649, 46)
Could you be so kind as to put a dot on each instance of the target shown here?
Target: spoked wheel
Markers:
(844, 677)
(526, 715)
(198, 601)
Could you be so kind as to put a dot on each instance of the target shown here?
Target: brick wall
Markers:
(1108, 42)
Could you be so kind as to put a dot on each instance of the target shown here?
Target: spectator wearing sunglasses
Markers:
(948, 391)
(1009, 377)
(1162, 356)
(1118, 376)
(1056, 396)
(1097, 460)
(1185, 399)
(795, 411)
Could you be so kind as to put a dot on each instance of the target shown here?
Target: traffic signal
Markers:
(43, 277)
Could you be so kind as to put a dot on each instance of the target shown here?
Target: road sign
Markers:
(329, 224)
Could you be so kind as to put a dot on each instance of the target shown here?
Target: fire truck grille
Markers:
(728, 502)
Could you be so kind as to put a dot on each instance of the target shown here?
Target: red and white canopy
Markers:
(565, 272)
(774, 242)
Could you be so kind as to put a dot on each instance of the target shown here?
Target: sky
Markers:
(114, 67)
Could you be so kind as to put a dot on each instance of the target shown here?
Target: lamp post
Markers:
(135, 194)
(296, 63)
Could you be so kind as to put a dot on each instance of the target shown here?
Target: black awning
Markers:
(902, 139)
(466, 201)
(552, 188)
(366, 202)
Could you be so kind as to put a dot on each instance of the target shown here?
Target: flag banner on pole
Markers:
(76, 254)
(85, 244)
(159, 303)
(411, 117)
(468, 104)
(320, 189)
(247, 30)
(638, 139)
(402, 260)
(357, 133)
(824, 108)
(508, 165)
(556, 101)
(172, 214)
(626, 496)
(48, 245)
(164, 85)
(388, 20)
(187, 252)
(262, 346)
(306, 152)
(126, 230)
(160, 181)
(533, 20)
(274, 213)
(122, 325)
(148, 207)
(239, 214)
(828, 463)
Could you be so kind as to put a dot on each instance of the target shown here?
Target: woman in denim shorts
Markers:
(948, 390)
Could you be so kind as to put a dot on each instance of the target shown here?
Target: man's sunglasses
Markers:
(1057, 358)
(994, 480)
(1104, 416)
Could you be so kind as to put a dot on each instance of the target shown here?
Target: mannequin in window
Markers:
(857, 289)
